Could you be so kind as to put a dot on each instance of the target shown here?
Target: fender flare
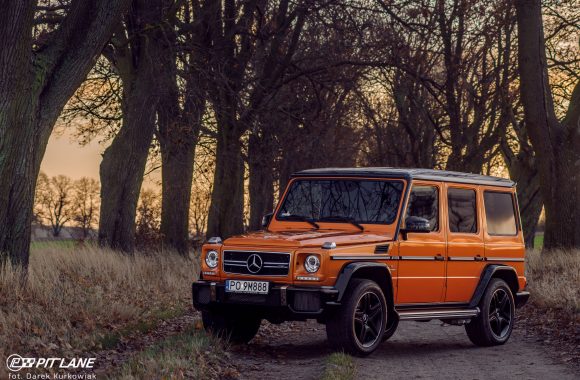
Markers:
(492, 271)
(349, 271)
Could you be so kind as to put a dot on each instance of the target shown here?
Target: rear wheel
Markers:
(494, 325)
(359, 324)
(238, 327)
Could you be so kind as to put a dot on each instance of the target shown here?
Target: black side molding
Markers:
(488, 273)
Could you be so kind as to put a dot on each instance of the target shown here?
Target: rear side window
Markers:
(462, 210)
(500, 213)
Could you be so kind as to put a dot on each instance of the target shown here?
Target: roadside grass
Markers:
(339, 366)
(110, 340)
(192, 354)
(86, 298)
(554, 280)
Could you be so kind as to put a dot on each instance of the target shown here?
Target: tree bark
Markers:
(178, 136)
(179, 127)
(124, 161)
(34, 87)
(261, 172)
(227, 199)
(555, 143)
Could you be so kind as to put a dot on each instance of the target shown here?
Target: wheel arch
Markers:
(504, 272)
(377, 272)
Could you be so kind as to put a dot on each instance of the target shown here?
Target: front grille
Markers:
(243, 262)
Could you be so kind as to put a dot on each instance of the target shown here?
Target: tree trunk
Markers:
(555, 143)
(524, 173)
(261, 171)
(227, 199)
(123, 167)
(177, 176)
(123, 164)
(178, 134)
(34, 87)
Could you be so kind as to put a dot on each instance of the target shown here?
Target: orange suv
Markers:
(361, 249)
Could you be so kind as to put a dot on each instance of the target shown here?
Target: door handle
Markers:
(439, 258)
(478, 258)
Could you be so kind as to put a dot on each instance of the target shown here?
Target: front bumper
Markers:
(298, 301)
(522, 298)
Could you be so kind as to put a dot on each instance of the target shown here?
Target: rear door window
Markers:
(500, 213)
(462, 210)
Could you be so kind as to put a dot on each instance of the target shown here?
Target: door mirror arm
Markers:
(415, 224)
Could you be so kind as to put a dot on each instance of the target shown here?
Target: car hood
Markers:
(310, 238)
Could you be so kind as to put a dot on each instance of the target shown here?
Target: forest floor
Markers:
(540, 348)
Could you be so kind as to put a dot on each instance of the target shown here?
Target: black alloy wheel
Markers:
(495, 322)
(368, 319)
(358, 325)
(500, 313)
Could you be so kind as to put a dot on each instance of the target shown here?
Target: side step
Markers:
(423, 314)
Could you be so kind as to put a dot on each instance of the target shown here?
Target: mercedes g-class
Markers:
(362, 249)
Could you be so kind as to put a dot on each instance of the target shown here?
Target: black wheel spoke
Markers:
(368, 319)
(500, 313)
(375, 310)
(363, 334)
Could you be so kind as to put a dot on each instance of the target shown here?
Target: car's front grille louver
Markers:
(382, 248)
(272, 263)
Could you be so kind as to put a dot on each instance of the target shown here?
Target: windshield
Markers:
(337, 200)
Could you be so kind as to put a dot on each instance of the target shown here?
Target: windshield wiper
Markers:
(301, 218)
(342, 219)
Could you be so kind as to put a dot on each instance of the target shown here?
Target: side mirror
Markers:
(415, 224)
(266, 219)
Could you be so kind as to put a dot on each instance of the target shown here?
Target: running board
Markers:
(414, 315)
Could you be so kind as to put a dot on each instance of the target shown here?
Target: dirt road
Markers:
(417, 351)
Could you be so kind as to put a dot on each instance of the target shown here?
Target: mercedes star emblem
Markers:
(254, 263)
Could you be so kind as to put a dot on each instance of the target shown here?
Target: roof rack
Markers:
(409, 174)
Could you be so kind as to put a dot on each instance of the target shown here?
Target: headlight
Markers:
(211, 258)
(312, 263)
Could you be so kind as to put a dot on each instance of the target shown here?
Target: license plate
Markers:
(243, 286)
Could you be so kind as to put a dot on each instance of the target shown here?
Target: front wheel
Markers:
(358, 325)
(234, 327)
(494, 325)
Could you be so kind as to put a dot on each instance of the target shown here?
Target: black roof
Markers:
(410, 174)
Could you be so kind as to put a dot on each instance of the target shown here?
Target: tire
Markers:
(494, 324)
(358, 325)
(233, 327)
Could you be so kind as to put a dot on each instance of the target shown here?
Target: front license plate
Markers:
(243, 286)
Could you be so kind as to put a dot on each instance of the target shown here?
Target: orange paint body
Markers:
(451, 277)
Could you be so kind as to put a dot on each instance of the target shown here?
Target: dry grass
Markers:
(339, 366)
(190, 355)
(554, 280)
(83, 298)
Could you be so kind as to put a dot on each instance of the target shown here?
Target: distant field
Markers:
(539, 241)
(53, 244)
